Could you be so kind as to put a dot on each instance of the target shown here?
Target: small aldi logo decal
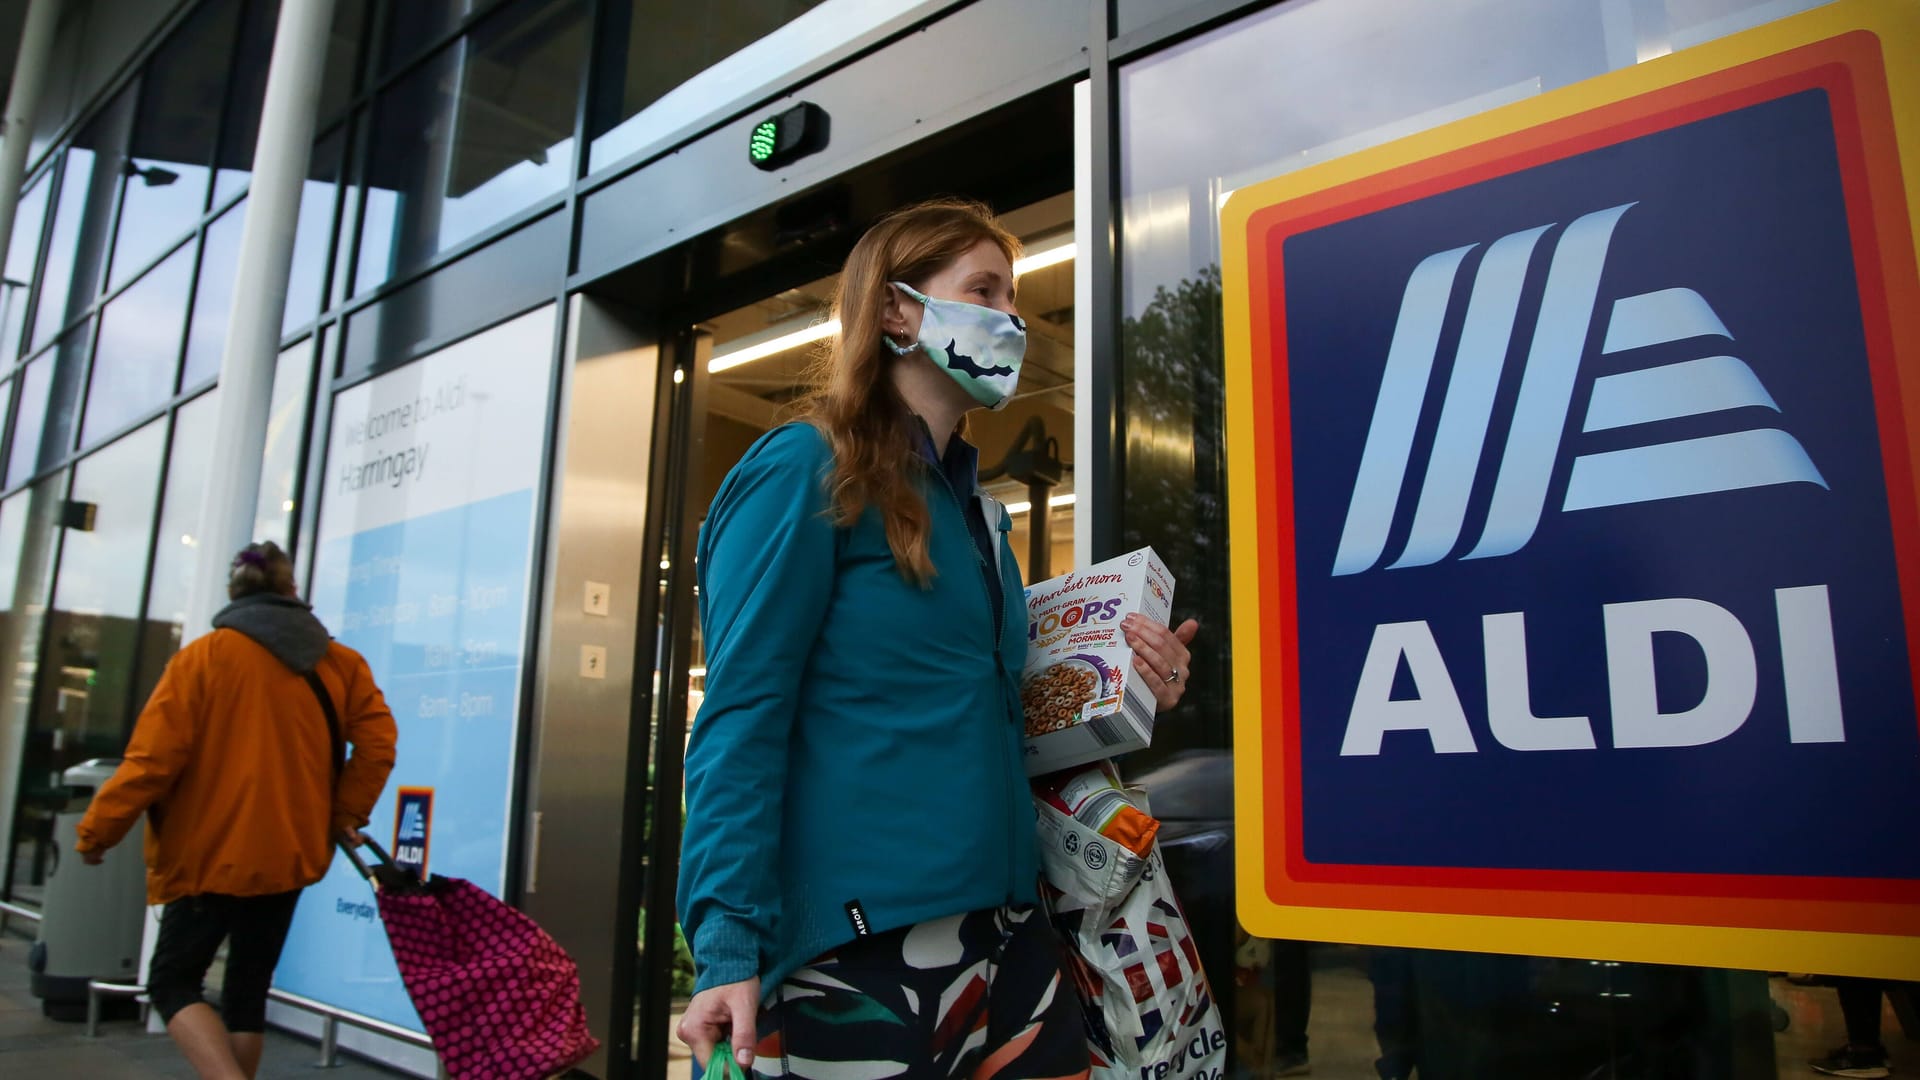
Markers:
(413, 829)
(1572, 452)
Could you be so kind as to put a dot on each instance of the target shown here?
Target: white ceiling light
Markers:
(1025, 507)
(760, 346)
(772, 342)
(1052, 255)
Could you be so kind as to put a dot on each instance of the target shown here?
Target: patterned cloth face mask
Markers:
(980, 347)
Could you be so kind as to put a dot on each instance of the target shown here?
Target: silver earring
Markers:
(899, 349)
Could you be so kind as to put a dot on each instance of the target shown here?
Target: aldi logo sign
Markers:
(413, 829)
(1573, 459)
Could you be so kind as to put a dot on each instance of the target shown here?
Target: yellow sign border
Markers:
(1897, 24)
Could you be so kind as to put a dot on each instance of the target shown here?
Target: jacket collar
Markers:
(961, 463)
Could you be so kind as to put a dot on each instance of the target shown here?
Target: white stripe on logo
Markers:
(1753, 458)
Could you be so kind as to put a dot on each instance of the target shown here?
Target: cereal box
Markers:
(1082, 698)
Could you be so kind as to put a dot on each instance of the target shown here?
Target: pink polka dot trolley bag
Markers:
(500, 999)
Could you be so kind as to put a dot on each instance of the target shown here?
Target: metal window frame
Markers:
(1194, 19)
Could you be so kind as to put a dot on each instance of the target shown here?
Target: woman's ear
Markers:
(894, 316)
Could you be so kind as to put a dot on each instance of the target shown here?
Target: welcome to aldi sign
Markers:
(1573, 455)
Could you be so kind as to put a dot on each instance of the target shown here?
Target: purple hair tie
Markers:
(250, 558)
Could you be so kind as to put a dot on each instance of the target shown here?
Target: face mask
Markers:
(978, 346)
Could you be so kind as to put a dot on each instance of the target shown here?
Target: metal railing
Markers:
(331, 1017)
(10, 910)
(106, 988)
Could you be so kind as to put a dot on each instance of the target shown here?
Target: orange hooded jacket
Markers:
(232, 759)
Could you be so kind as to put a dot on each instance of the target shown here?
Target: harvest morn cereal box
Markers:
(1083, 700)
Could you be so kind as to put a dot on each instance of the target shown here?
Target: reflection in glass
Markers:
(372, 225)
(93, 622)
(482, 131)
(24, 249)
(175, 552)
(246, 91)
(6, 396)
(173, 139)
(273, 515)
(49, 393)
(343, 58)
(213, 297)
(315, 229)
(249, 85)
(88, 182)
(28, 536)
(1319, 80)
(139, 350)
(417, 24)
(25, 451)
(668, 43)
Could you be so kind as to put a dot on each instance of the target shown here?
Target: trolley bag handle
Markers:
(385, 873)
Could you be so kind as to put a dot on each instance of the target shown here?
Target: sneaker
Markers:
(1296, 1065)
(1852, 1062)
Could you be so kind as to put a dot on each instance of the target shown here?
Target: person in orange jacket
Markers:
(241, 771)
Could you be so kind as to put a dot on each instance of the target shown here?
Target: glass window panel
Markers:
(94, 621)
(49, 386)
(63, 71)
(246, 91)
(88, 182)
(480, 132)
(343, 58)
(249, 85)
(420, 24)
(28, 538)
(213, 297)
(667, 43)
(6, 398)
(513, 274)
(1318, 79)
(286, 434)
(25, 454)
(22, 252)
(374, 225)
(175, 552)
(311, 237)
(139, 350)
(173, 138)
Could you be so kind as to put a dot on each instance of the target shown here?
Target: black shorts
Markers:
(191, 930)
(981, 994)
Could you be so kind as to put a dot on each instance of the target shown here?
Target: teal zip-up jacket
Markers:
(857, 758)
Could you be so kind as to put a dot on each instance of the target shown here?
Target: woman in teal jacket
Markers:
(857, 880)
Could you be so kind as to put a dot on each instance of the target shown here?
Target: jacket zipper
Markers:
(1000, 622)
(1007, 785)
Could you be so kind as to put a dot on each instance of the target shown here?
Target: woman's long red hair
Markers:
(853, 400)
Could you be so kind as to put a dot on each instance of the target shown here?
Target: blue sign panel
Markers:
(423, 565)
(1599, 507)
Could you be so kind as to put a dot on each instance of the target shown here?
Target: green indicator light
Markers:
(787, 136)
(765, 137)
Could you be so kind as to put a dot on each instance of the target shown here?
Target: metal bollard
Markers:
(329, 1043)
(93, 1012)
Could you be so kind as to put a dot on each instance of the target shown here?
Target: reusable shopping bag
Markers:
(1128, 947)
(499, 998)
